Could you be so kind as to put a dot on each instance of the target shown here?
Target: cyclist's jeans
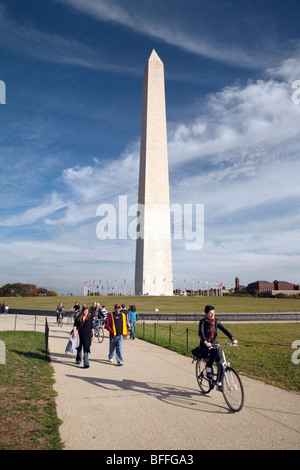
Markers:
(85, 356)
(116, 343)
(214, 355)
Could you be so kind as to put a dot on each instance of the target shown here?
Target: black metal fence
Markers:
(32, 323)
(170, 336)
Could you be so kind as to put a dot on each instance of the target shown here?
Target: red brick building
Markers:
(283, 285)
(260, 286)
(274, 288)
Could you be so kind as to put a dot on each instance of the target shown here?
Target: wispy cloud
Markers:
(148, 21)
(52, 204)
(28, 40)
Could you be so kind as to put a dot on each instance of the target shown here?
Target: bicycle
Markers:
(99, 330)
(71, 318)
(223, 377)
(59, 320)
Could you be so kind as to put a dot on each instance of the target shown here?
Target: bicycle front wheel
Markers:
(201, 376)
(232, 389)
(100, 334)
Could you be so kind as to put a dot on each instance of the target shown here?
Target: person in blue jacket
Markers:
(132, 318)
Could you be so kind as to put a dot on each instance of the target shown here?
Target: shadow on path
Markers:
(182, 397)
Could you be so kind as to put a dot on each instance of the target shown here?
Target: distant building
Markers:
(283, 285)
(272, 288)
(238, 287)
(260, 286)
(286, 288)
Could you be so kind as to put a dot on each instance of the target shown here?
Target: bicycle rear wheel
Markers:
(201, 376)
(232, 389)
(100, 334)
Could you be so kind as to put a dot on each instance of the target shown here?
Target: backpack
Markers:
(197, 352)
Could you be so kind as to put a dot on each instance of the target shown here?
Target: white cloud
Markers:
(52, 204)
(89, 186)
(288, 69)
(234, 119)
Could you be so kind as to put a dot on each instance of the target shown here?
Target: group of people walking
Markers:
(118, 323)
(121, 321)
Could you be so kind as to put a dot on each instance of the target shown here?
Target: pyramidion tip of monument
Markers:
(155, 57)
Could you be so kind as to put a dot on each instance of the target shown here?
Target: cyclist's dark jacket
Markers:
(203, 327)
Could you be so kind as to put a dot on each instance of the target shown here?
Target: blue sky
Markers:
(70, 133)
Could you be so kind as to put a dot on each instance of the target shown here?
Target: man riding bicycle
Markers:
(60, 311)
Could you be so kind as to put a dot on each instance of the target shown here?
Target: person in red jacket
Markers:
(116, 324)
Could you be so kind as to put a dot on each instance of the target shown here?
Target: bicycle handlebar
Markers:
(224, 346)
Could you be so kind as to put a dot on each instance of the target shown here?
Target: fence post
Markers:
(154, 333)
(46, 336)
(170, 336)
(35, 323)
(15, 323)
(144, 329)
(187, 340)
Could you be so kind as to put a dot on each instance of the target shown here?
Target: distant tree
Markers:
(18, 289)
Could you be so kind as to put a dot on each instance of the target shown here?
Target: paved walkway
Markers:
(152, 402)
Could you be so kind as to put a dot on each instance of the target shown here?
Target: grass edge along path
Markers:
(28, 413)
(264, 352)
(165, 304)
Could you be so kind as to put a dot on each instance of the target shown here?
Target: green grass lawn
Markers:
(264, 350)
(27, 406)
(173, 304)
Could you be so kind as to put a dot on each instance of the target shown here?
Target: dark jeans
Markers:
(213, 354)
(85, 356)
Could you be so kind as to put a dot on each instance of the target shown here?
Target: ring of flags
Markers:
(104, 287)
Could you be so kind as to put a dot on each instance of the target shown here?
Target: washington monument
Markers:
(153, 264)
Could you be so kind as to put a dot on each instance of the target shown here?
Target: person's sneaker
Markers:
(110, 359)
(120, 363)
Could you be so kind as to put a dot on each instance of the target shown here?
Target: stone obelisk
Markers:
(153, 265)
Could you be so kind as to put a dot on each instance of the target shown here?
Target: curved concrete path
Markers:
(153, 402)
